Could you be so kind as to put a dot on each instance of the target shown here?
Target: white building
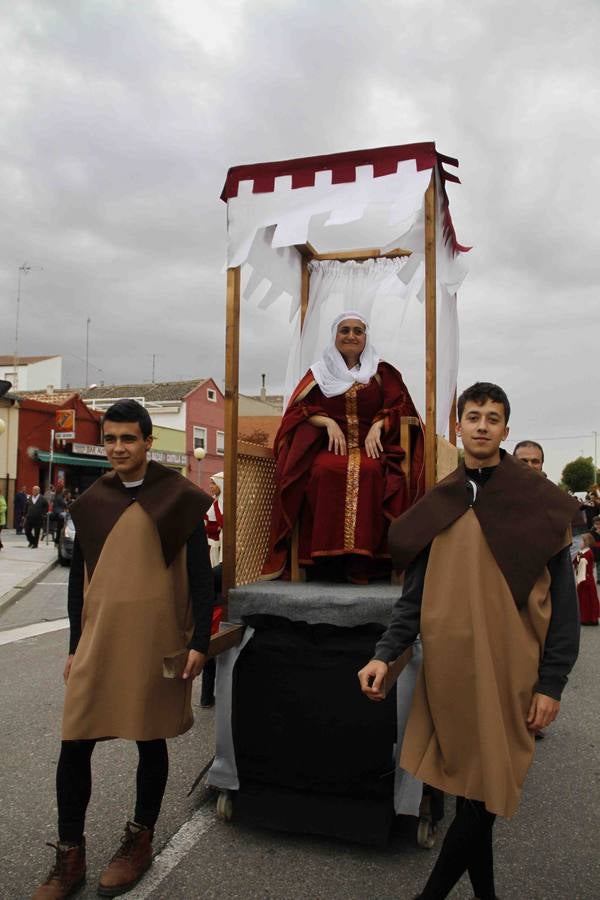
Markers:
(32, 373)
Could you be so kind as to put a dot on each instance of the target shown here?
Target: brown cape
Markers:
(523, 516)
(175, 505)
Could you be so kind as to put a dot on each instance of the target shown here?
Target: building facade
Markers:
(31, 373)
(193, 408)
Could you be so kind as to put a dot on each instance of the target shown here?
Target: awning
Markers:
(63, 459)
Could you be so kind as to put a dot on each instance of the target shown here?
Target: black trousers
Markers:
(74, 785)
(32, 531)
(467, 847)
(207, 694)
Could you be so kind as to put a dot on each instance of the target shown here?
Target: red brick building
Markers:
(37, 419)
(193, 407)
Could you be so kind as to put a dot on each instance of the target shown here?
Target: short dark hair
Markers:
(529, 444)
(129, 411)
(480, 392)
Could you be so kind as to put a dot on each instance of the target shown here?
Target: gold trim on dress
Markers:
(353, 470)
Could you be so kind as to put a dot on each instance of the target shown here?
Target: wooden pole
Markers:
(232, 368)
(296, 573)
(304, 289)
(430, 336)
(452, 420)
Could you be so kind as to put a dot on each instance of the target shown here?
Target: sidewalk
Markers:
(20, 567)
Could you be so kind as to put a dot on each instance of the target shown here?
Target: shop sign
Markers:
(89, 449)
(64, 428)
(166, 457)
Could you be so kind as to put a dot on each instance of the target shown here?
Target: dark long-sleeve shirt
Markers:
(562, 641)
(201, 585)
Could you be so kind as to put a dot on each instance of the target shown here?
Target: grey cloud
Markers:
(118, 129)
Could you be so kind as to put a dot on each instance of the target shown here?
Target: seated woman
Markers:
(338, 470)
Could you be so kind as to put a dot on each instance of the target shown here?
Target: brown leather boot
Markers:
(129, 863)
(67, 874)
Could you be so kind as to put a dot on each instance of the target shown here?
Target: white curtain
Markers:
(334, 287)
(387, 292)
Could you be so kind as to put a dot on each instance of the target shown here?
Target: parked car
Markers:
(65, 543)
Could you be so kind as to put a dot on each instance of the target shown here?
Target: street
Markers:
(550, 851)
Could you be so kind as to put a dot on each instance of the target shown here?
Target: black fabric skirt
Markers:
(313, 754)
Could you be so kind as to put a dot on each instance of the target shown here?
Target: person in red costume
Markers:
(589, 606)
(213, 520)
(338, 461)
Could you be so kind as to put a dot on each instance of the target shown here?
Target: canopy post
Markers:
(452, 420)
(232, 369)
(430, 336)
(304, 290)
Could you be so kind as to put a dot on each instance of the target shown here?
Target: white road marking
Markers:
(174, 851)
(27, 631)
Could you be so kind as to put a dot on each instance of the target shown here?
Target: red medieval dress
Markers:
(589, 606)
(344, 503)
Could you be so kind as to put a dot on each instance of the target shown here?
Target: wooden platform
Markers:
(345, 605)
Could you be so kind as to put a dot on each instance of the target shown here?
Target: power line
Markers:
(564, 437)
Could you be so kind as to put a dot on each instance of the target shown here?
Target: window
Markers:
(212, 395)
(199, 437)
(221, 443)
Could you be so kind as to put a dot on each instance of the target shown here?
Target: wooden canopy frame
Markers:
(232, 342)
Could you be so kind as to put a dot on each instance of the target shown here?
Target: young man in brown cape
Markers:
(140, 610)
(490, 588)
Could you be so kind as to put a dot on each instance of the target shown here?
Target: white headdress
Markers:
(331, 372)
(217, 479)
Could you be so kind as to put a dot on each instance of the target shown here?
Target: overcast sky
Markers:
(120, 119)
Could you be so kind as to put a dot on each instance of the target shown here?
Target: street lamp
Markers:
(199, 454)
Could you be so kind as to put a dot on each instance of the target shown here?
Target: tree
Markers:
(578, 475)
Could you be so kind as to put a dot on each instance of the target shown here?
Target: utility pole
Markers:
(87, 350)
(153, 367)
(24, 269)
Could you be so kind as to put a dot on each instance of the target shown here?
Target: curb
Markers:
(21, 589)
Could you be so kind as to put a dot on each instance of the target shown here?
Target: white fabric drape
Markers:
(384, 212)
(334, 287)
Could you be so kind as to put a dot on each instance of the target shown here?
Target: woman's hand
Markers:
(373, 444)
(337, 441)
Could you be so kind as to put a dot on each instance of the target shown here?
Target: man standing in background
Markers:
(35, 515)
(20, 504)
(531, 453)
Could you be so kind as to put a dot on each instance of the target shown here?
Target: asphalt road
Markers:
(550, 850)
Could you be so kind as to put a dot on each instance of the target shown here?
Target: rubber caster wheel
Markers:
(426, 833)
(225, 806)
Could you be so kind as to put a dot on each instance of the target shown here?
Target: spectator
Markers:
(531, 453)
(35, 515)
(59, 507)
(2, 515)
(213, 520)
(589, 606)
(20, 506)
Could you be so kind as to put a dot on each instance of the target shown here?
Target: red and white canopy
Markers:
(347, 201)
